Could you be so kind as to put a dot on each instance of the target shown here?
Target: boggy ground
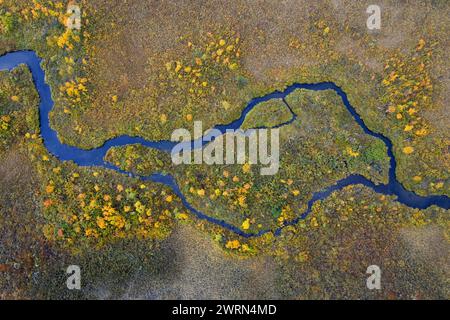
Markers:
(146, 68)
(321, 146)
(324, 256)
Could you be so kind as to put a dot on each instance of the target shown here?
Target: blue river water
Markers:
(95, 157)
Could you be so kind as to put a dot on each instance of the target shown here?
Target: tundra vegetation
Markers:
(146, 68)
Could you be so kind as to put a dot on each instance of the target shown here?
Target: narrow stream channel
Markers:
(95, 157)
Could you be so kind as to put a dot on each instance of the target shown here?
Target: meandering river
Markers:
(95, 157)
